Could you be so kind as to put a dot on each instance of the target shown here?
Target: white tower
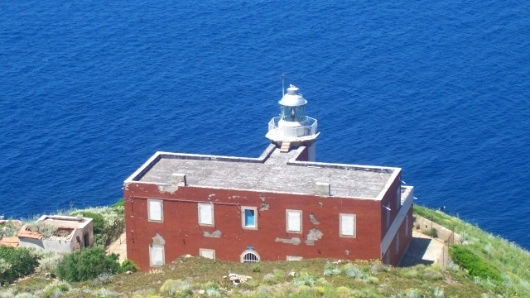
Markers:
(293, 128)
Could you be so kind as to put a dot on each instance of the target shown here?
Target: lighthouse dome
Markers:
(292, 98)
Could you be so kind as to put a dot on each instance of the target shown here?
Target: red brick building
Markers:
(280, 206)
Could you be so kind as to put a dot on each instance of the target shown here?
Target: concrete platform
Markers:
(425, 250)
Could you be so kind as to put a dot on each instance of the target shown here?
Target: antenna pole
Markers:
(283, 87)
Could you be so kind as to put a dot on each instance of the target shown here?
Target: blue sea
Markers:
(91, 89)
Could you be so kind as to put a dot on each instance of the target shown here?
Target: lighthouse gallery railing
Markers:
(311, 127)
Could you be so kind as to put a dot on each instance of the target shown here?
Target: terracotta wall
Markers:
(183, 234)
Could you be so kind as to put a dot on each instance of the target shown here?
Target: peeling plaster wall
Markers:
(313, 236)
(183, 235)
(214, 234)
(30, 243)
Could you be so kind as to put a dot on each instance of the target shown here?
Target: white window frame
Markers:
(151, 205)
(207, 253)
(293, 228)
(243, 225)
(343, 217)
(249, 251)
(152, 262)
(294, 258)
(398, 197)
(387, 218)
(205, 207)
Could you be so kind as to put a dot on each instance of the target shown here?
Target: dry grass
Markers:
(199, 277)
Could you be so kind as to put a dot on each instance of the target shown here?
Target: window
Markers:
(249, 256)
(347, 225)
(207, 253)
(398, 197)
(156, 254)
(406, 226)
(206, 214)
(249, 220)
(156, 251)
(155, 210)
(387, 217)
(294, 258)
(294, 221)
(397, 243)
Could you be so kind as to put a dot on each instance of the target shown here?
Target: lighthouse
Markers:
(244, 209)
(293, 128)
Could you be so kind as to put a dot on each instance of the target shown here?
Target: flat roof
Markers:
(273, 171)
(66, 222)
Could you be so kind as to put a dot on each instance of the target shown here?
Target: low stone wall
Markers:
(448, 236)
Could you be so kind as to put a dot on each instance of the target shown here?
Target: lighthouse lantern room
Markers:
(293, 128)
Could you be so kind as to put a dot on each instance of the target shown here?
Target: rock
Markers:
(237, 278)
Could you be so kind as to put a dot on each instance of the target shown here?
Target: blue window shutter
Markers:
(249, 218)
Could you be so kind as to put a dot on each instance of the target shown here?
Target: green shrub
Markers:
(373, 280)
(128, 265)
(476, 265)
(87, 264)
(413, 293)
(48, 261)
(108, 222)
(97, 220)
(102, 279)
(431, 232)
(55, 289)
(305, 278)
(410, 272)
(433, 272)
(343, 291)
(277, 276)
(176, 288)
(15, 263)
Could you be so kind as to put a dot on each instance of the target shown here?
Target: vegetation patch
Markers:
(16, 263)
(473, 263)
(200, 277)
(87, 264)
(176, 288)
(9, 228)
(108, 222)
(45, 229)
(431, 232)
(55, 289)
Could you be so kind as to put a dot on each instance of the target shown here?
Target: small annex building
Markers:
(66, 234)
(282, 205)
